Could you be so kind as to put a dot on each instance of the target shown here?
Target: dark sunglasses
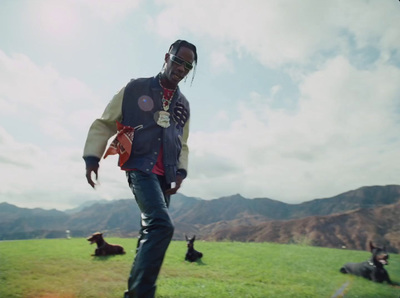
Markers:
(179, 61)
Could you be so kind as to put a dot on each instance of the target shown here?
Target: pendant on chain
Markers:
(162, 118)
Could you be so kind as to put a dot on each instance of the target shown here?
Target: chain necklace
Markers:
(162, 118)
(168, 94)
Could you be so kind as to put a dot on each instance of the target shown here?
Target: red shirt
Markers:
(159, 166)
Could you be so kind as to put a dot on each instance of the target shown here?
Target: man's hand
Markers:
(89, 171)
(178, 183)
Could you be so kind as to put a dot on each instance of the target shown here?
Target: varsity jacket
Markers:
(137, 105)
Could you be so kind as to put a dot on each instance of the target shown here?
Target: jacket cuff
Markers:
(91, 161)
(181, 172)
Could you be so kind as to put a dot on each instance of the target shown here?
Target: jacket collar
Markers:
(155, 85)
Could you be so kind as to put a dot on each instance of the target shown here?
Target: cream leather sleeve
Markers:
(184, 157)
(102, 129)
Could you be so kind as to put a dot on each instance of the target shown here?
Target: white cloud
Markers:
(40, 88)
(280, 32)
(110, 10)
(54, 129)
(220, 62)
(344, 134)
(58, 110)
(52, 177)
(58, 19)
(275, 89)
(42, 95)
(65, 18)
(13, 154)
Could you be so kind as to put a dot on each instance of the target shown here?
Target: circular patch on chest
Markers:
(145, 103)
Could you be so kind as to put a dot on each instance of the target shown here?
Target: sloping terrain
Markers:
(349, 219)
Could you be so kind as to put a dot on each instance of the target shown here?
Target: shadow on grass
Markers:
(103, 258)
(198, 262)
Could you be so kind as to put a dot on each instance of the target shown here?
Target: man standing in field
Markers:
(151, 119)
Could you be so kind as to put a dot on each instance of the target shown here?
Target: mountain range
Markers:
(350, 219)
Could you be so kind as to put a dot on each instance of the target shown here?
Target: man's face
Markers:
(178, 65)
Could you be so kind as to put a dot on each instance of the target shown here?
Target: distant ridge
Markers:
(84, 205)
(352, 229)
(349, 219)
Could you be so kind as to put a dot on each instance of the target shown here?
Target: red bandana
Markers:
(122, 144)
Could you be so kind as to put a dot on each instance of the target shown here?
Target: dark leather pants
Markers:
(155, 235)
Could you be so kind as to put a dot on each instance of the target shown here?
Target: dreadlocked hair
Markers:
(174, 48)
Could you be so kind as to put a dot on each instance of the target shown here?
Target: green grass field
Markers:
(65, 268)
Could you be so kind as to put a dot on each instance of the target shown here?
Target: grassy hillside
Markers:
(64, 268)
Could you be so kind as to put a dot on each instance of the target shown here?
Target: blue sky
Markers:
(291, 100)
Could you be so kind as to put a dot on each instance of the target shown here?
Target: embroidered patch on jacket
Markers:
(180, 114)
(145, 103)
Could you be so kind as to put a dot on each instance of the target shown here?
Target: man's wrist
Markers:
(91, 161)
(182, 173)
